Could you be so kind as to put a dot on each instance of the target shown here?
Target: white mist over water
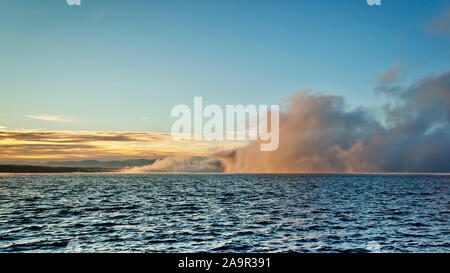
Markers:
(180, 164)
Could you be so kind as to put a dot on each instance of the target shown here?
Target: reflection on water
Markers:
(224, 213)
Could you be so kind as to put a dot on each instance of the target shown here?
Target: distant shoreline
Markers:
(40, 169)
(48, 169)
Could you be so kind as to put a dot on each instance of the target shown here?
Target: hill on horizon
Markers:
(90, 163)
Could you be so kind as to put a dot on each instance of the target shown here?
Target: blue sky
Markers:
(121, 65)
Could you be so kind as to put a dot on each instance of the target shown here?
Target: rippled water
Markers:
(224, 213)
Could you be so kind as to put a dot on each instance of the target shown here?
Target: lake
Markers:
(224, 213)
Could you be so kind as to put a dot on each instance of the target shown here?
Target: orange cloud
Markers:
(100, 145)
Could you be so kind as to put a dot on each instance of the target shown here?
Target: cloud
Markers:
(100, 145)
(387, 83)
(319, 134)
(81, 137)
(50, 118)
(440, 25)
(181, 164)
(390, 76)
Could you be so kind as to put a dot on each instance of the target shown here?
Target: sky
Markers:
(120, 66)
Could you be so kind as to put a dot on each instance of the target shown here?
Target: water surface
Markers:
(224, 213)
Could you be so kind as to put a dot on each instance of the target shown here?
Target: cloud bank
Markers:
(318, 133)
